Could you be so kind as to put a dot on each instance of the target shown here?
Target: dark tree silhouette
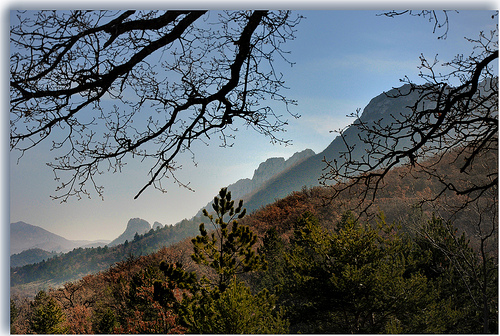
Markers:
(453, 121)
(106, 85)
(455, 113)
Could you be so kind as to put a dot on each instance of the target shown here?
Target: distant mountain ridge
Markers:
(24, 236)
(267, 170)
(272, 167)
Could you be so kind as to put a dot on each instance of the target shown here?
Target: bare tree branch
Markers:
(442, 119)
(108, 85)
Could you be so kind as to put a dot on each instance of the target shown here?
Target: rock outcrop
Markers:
(134, 225)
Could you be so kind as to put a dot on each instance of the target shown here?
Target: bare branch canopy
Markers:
(107, 85)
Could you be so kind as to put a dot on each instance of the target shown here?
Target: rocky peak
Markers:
(134, 225)
(274, 166)
(299, 156)
(393, 101)
(138, 225)
(268, 169)
(157, 225)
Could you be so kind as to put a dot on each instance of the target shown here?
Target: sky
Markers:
(342, 59)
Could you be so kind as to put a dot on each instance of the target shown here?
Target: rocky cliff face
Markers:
(134, 225)
(273, 166)
(308, 171)
(267, 170)
(386, 107)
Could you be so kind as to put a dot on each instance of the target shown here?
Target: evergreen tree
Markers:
(228, 249)
(46, 317)
(352, 280)
(225, 305)
(236, 311)
(104, 321)
(274, 278)
(465, 280)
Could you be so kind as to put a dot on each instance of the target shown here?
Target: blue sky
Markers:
(342, 60)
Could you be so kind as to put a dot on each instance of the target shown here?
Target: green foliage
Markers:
(46, 317)
(226, 305)
(228, 250)
(466, 281)
(236, 311)
(352, 280)
(274, 277)
(176, 279)
(30, 256)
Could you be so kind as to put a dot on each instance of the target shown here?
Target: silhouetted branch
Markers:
(106, 85)
(443, 119)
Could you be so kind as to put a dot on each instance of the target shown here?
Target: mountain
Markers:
(266, 171)
(24, 236)
(134, 226)
(307, 172)
(71, 266)
(157, 225)
(272, 167)
(274, 179)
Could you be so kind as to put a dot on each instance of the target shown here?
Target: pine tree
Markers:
(225, 305)
(237, 311)
(228, 250)
(275, 277)
(352, 280)
(468, 276)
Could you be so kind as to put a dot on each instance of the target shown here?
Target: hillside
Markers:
(305, 171)
(397, 201)
(30, 256)
(141, 238)
(81, 261)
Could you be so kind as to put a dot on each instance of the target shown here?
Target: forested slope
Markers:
(328, 270)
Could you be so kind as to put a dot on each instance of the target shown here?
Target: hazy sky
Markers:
(342, 60)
